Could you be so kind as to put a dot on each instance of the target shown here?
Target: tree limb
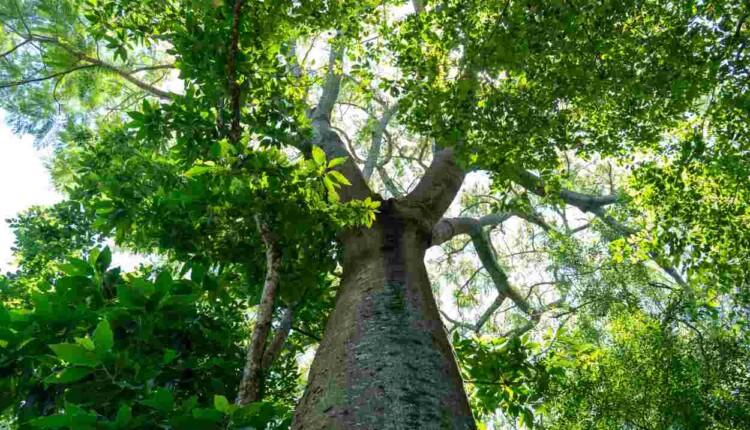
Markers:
(377, 140)
(448, 228)
(588, 203)
(329, 141)
(482, 245)
(45, 78)
(389, 183)
(491, 309)
(13, 49)
(128, 76)
(273, 350)
(438, 187)
(306, 333)
(250, 384)
(584, 202)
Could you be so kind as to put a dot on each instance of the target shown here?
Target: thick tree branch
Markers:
(438, 187)
(329, 141)
(250, 384)
(482, 245)
(456, 323)
(584, 202)
(130, 78)
(331, 89)
(306, 333)
(589, 203)
(534, 218)
(448, 228)
(418, 6)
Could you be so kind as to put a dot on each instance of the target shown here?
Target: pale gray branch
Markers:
(377, 140)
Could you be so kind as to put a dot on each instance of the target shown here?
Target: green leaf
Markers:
(51, 422)
(85, 342)
(333, 196)
(104, 259)
(76, 267)
(197, 273)
(200, 169)
(207, 414)
(336, 162)
(169, 356)
(103, 338)
(130, 297)
(319, 156)
(79, 418)
(222, 404)
(163, 282)
(162, 400)
(68, 375)
(341, 179)
(75, 354)
(124, 415)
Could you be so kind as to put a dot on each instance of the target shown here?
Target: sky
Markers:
(25, 182)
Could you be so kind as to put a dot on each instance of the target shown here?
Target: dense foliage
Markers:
(607, 202)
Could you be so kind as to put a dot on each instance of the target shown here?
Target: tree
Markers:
(259, 150)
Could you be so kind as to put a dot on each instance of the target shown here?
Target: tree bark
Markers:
(385, 361)
(250, 385)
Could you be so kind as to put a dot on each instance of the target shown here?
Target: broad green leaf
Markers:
(341, 179)
(163, 282)
(200, 169)
(221, 404)
(208, 414)
(75, 354)
(319, 156)
(104, 259)
(161, 399)
(103, 337)
(85, 342)
(51, 422)
(336, 162)
(68, 375)
(76, 267)
(169, 356)
(124, 415)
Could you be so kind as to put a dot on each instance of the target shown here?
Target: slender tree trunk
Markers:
(252, 378)
(385, 361)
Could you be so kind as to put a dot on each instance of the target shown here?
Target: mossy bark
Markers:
(385, 361)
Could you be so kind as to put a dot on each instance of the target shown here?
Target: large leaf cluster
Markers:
(102, 350)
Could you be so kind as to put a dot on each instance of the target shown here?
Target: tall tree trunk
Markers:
(385, 361)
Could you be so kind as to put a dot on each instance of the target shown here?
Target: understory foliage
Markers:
(596, 269)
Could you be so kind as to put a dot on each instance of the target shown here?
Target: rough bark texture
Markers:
(250, 384)
(273, 350)
(385, 361)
